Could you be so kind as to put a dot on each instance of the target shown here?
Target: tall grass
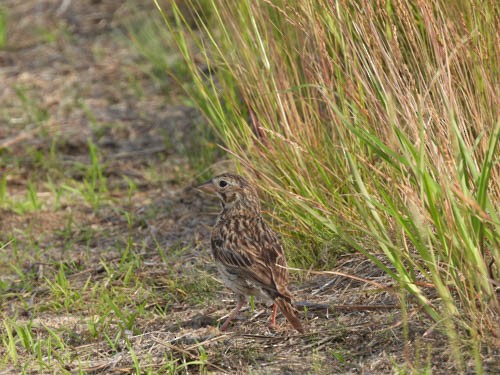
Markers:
(373, 122)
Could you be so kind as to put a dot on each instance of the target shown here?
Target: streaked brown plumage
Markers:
(248, 253)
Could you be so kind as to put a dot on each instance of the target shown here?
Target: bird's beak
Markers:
(207, 187)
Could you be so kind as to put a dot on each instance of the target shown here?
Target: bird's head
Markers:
(234, 192)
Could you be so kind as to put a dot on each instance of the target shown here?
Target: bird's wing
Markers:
(257, 253)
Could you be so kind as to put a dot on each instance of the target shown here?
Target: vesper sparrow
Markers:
(248, 253)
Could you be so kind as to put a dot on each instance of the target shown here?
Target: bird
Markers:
(249, 255)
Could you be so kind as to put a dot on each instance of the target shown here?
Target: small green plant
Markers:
(65, 296)
(94, 187)
(33, 197)
(47, 35)
(135, 360)
(113, 343)
(3, 189)
(126, 320)
(26, 338)
(9, 342)
(95, 181)
(57, 192)
(45, 348)
(3, 28)
(29, 203)
(35, 112)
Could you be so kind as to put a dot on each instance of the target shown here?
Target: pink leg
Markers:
(241, 302)
(272, 323)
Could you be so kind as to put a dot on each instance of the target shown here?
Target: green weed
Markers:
(3, 28)
(3, 189)
(93, 187)
(48, 349)
(30, 202)
(65, 296)
(36, 114)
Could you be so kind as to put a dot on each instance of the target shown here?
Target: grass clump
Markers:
(374, 125)
(3, 28)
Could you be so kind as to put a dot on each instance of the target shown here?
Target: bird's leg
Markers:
(241, 302)
(272, 322)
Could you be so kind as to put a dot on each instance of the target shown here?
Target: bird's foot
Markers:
(273, 326)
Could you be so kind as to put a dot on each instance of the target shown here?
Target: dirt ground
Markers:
(69, 74)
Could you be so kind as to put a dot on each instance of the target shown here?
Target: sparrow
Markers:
(249, 255)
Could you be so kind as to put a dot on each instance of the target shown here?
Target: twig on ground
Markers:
(325, 306)
(6, 143)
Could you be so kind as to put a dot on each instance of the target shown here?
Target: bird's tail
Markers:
(290, 313)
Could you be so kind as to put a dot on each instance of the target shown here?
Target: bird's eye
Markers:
(222, 183)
